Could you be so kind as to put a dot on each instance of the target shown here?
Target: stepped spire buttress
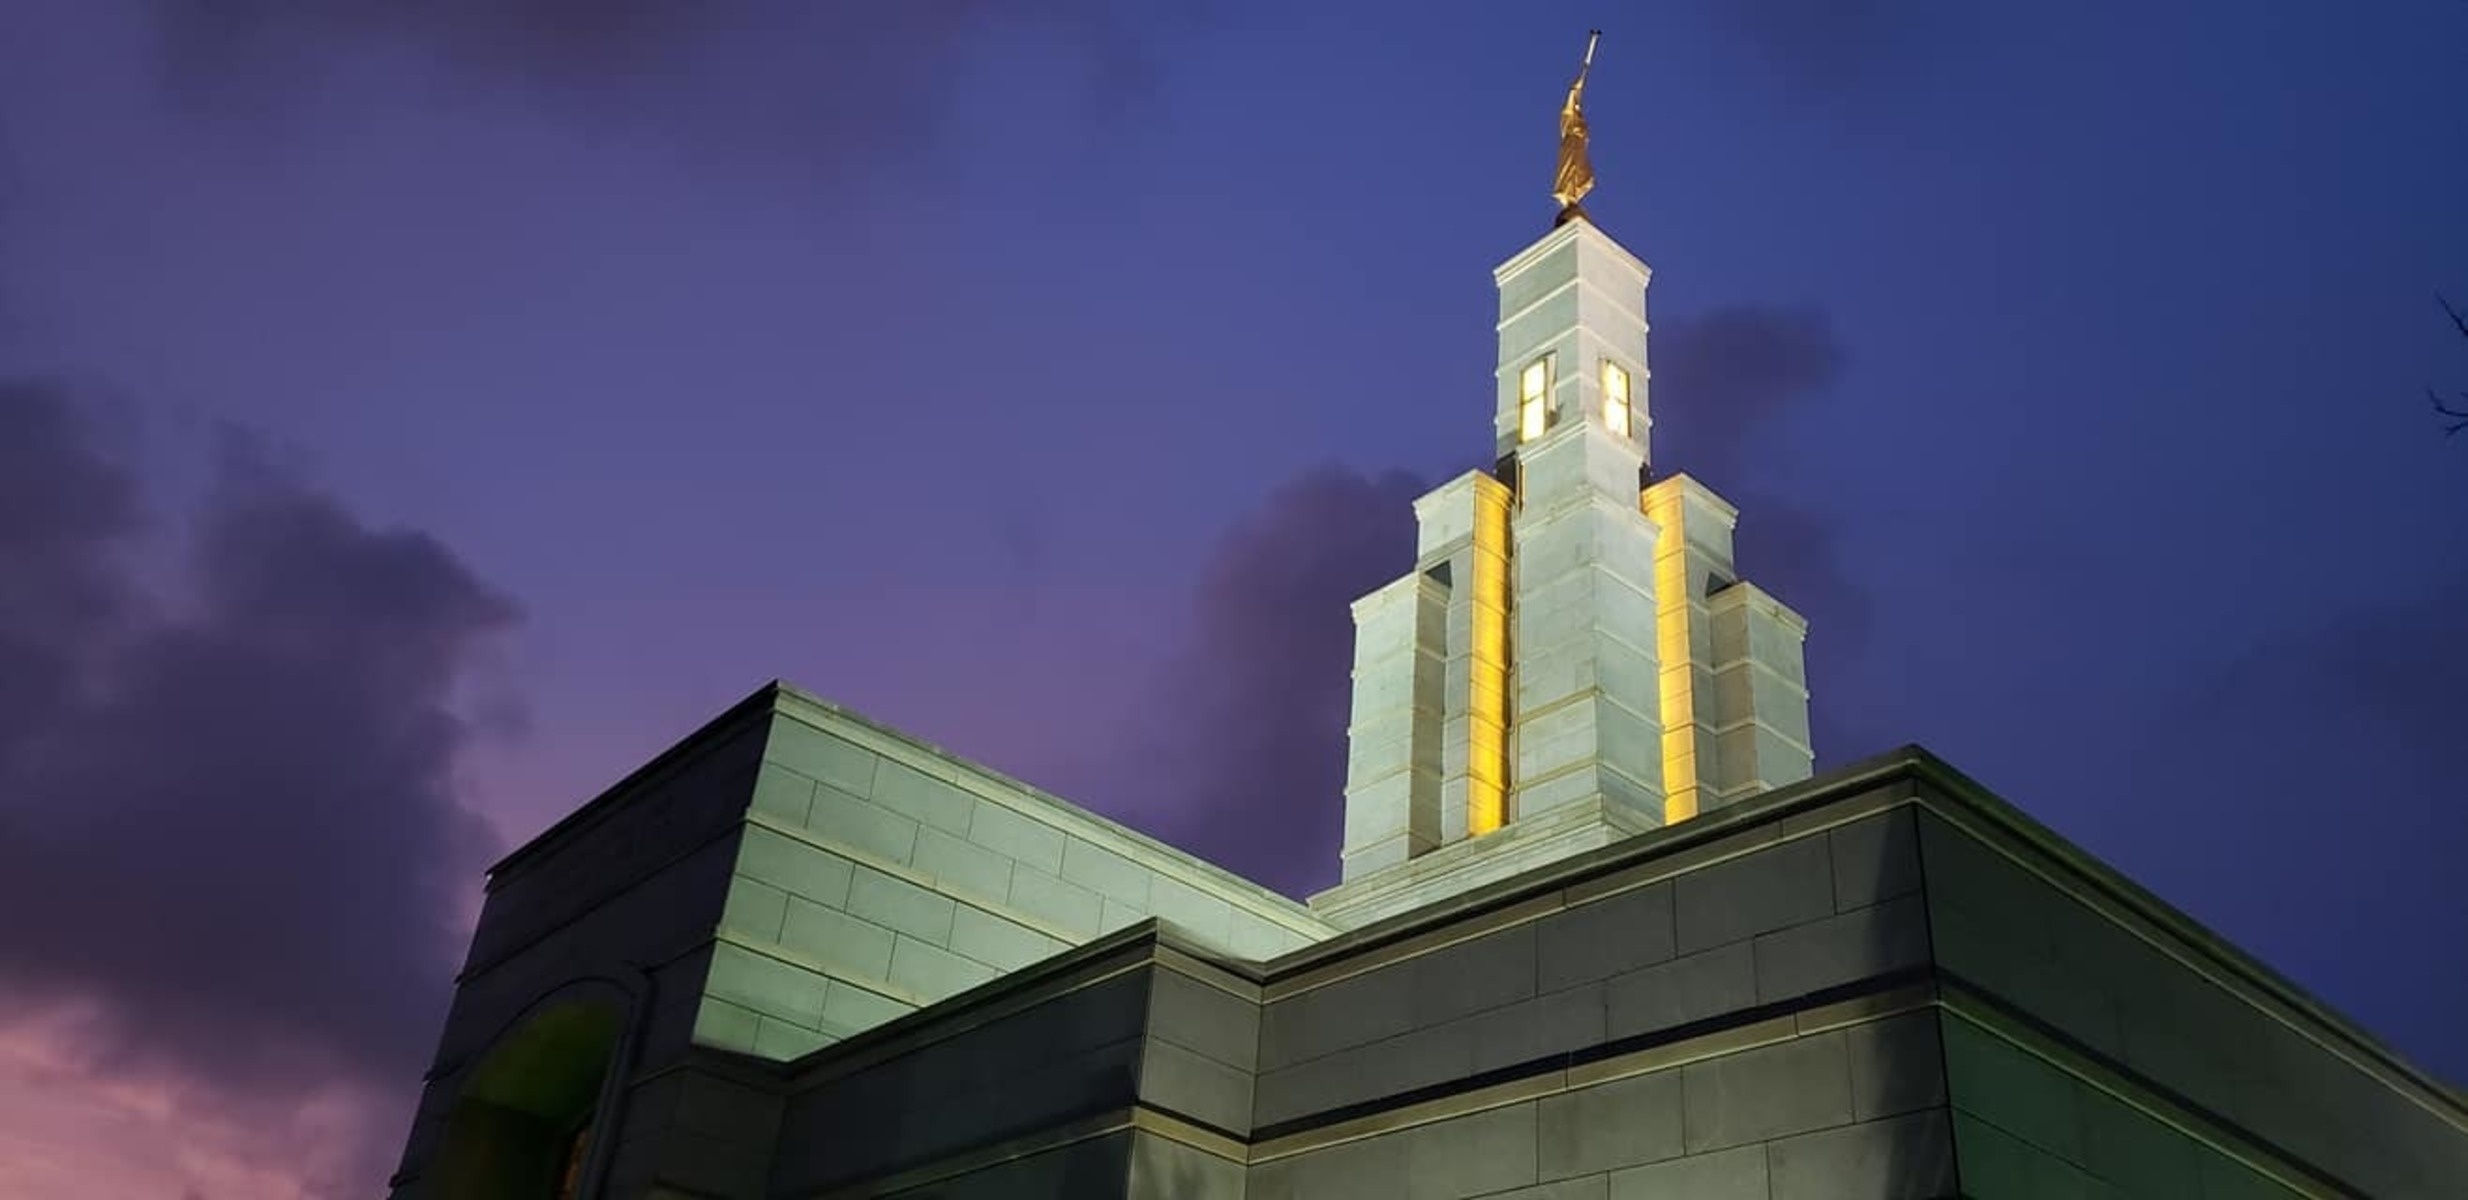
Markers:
(1574, 658)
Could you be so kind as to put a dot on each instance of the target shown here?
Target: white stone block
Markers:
(1205, 917)
(818, 755)
(1746, 691)
(1358, 861)
(1773, 888)
(849, 1009)
(1754, 758)
(996, 942)
(901, 906)
(796, 867)
(1017, 836)
(1580, 463)
(1769, 1092)
(1065, 907)
(1536, 273)
(922, 798)
(1444, 516)
(765, 985)
(1905, 1158)
(1378, 810)
(1611, 1125)
(933, 973)
(1593, 728)
(961, 867)
(846, 820)
(1105, 872)
(1748, 624)
(1736, 1174)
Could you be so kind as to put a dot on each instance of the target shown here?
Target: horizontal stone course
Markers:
(892, 880)
(821, 756)
(902, 907)
(1903, 1158)
(1105, 872)
(923, 969)
(1617, 1124)
(999, 943)
(755, 909)
(1841, 949)
(2158, 1008)
(796, 867)
(1769, 1092)
(1694, 988)
(1607, 937)
(1205, 1019)
(862, 824)
(1076, 1053)
(1164, 1169)
(1875, 859)
(1737, 1174)
(1897, 1065)
(837, 941)
(1851, 1112)
(1196, 1086)
(765, 985)
(924, 799)
(1017, 837)
(962, 868)
(1060, 905)
(1774, 888)
(1099, 1166)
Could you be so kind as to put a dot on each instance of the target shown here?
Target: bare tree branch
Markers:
(2457, 418)
(2454, 418)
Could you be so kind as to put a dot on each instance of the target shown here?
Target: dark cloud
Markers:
(228, 820)
(833, 79)
(1723, 379)
(1831, 48)
(2349, 728)
(64, 509)
(1245, 762)
(1726, 384)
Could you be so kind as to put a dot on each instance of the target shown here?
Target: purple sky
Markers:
(409, 424)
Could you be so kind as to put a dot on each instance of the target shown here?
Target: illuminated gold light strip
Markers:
(1679, 692)
(1487, 696)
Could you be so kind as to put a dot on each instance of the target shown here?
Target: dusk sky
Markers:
(413, 417)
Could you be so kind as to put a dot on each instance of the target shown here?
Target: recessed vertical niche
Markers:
(522, 1127)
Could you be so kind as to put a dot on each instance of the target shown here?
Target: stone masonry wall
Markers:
(2112, 995)
(1841, 1113)
(878, 876)
(1770, 927)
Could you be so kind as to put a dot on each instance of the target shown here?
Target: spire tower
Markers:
(1574, 659)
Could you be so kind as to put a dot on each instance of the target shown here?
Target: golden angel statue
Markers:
(1576, 173)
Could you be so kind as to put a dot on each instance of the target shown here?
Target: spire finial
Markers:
(1575, 176)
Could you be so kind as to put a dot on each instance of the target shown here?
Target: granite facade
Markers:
(1880, 984)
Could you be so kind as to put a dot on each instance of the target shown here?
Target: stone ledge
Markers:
(1495, 856)
(993, 787)
(2092, 1068)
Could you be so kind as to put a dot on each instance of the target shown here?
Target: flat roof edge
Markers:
(763, 702)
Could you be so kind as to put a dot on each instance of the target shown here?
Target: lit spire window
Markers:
(1534, 399)
(1615, 397)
